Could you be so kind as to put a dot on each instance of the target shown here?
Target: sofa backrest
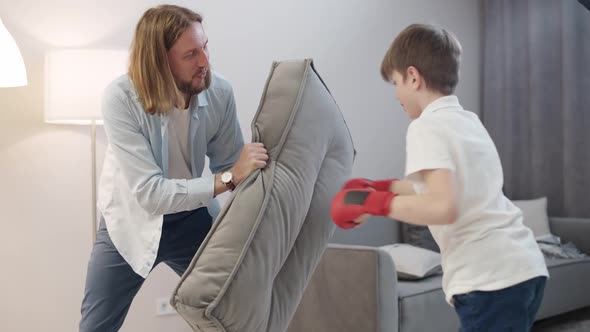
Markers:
(377, 231)
(380, 231)
(575, 230)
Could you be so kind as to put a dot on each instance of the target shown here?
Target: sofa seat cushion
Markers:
(568, 287)
(422, 306)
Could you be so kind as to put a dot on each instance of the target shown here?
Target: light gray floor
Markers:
(576, 321)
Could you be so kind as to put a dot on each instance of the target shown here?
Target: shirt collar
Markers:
(450, 101)
(201, 102)
(202, 99)
(134, 95)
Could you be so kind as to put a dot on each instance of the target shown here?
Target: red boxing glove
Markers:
(350, 204)
(360, 183)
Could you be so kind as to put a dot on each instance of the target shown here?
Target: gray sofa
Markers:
(355, 289)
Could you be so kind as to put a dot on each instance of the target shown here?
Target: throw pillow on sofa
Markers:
(534, 214)
(413, 263)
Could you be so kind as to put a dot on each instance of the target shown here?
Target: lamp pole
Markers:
(93, 171)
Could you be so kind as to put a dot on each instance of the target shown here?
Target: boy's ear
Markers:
(414, 77)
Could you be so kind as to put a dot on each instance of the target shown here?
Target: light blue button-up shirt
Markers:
(134, 192)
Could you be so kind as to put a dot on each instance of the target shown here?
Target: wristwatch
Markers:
(227, 178)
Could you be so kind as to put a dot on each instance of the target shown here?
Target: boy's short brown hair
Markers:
(435, 52)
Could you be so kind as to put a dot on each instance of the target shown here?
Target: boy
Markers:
(493, 271)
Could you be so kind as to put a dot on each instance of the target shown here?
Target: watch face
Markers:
(226, 177)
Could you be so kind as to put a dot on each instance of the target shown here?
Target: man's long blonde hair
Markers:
(149, 70)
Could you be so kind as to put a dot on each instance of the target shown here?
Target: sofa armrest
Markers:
(576, 230)
(352, 289)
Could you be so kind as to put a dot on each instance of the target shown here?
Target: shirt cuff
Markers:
(200, 191)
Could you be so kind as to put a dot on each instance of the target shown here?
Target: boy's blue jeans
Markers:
(509, 309)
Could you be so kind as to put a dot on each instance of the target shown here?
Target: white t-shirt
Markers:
(488, 247)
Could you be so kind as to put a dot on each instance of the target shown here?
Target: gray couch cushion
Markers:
(567, 288)
(250, 272)
(422, 306)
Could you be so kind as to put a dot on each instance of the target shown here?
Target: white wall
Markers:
(45, 169)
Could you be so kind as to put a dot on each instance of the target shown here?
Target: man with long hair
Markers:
(161, 120)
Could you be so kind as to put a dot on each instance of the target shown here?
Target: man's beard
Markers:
(187, 87)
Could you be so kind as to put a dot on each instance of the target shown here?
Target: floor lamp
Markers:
(12, 67)
(74, 83)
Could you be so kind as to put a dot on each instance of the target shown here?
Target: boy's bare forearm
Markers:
(403, 187)
(423, 209)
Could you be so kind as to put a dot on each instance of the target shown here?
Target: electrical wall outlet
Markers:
(163, 307)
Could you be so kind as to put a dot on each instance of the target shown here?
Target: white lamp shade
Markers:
(12, 67)
(75, 81)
